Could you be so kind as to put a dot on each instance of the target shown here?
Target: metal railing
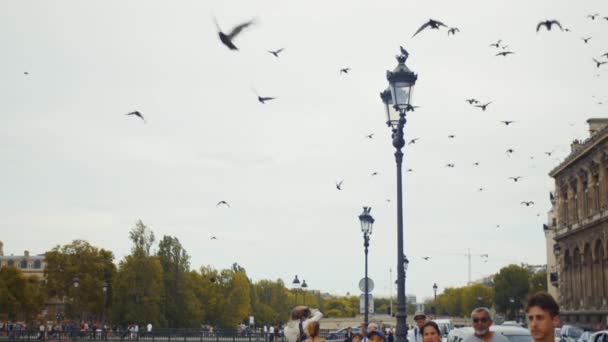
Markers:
(176, 335)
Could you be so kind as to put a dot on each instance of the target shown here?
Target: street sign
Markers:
(370, 284)
(251, 320)
(370, 303)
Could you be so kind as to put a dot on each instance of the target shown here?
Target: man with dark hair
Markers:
(543, 317)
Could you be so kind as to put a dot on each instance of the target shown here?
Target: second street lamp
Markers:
(367, 223)
(435, 287)
(304, 287)
(397, 102)
(295, 284)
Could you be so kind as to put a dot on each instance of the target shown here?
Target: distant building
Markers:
(579, 226)
(30, 265)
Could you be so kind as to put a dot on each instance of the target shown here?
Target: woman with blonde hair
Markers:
(312, 330)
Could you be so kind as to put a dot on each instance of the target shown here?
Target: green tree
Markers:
(179, 306)
(476, 295)
(142, 237)
(511, 282)
(20, 297)
(91, 265)
(538, 282)
(138, 289)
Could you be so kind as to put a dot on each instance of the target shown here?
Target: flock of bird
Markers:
(501, 50)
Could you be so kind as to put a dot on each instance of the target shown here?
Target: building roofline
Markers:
(586, 146)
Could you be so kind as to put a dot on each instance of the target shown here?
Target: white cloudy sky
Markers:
(74, 166)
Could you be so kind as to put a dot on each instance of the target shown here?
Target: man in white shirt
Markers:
(301, 316)
(482, 320)
(415, 334)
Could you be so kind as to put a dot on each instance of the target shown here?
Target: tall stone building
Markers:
(579, 228)
(30, 265)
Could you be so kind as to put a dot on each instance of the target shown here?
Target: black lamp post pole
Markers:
(366, 301)
(398, 143)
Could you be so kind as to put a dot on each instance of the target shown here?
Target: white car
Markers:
(600, 336)
(513, 334)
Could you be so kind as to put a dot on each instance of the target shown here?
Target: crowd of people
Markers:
(542, 313)
(82, 330)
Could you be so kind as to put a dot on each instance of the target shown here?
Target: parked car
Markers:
(341, 334)
(445, 326)
(600, 336)
(585, 336)
(570, 333)
(513, 334)
(511, 324)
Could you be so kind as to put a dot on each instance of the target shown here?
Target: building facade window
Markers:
(11, 262)
(37, 264)
(23, 264)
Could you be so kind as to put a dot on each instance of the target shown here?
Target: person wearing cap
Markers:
(376, 335)
(415, 334)
(482, 320)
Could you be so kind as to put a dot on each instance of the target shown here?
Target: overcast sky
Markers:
(73, 166)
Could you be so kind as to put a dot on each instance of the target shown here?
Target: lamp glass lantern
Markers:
(105, 287)
(401, 82)
(557, 249)
(392, 114)
(367, 221)
(296, 281)
(435, 287)
(304, 285)
(76, 281)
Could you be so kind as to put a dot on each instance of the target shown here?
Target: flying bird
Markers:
(426, 258)
(483, 106)
(413, 141)
(344, 71)
(548, 24)
(370, 136)
(471, 101)
(509, 151)
(527, 203)
(480, 189)
(515, 179)
(549, 153)
(497, 44)
(586, 40)
(339, 185)
(374, 173)
(138, 114)
(605, 55)
(598, 63)
(476, 164)
(222, 203)
(410, 108)
(26, 73)
(276, 52)
(433, 24)
(226, 39)
(507, 122)
(213, 238)
(409, 170)
(451, 165)
(504, 53)
(593, 16)
(262, 99)
(451, 136)
(453, 30)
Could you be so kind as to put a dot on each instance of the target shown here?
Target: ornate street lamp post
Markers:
(397, 102)
(435, 287)
(296, 283)
(367, 223)
(304, 287)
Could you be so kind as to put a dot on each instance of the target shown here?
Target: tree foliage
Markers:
(21, 297)
(91, 266)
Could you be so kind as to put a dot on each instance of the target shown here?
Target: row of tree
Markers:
(161, 288)
(506, 292)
